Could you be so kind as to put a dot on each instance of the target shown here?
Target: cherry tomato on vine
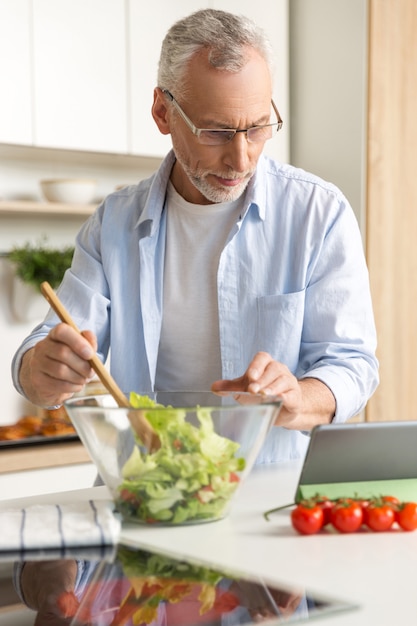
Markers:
(346, 515)
(363, 502)
(326, 506)
(394, 503)
(307, 518)
(391, 500)
(379, 515)
(406, 515)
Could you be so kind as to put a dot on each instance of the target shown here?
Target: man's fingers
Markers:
(80, 344)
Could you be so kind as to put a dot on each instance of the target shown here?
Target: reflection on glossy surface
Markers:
(138, 587)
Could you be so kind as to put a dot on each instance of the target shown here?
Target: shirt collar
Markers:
(150, 217)
(148, 222)
(256, 191)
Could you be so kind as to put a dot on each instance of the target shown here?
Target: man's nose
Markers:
(236, 153)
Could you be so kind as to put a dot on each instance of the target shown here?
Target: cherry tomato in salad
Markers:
(346, 515)
(128, 496)
(379, 515)
(307, 518)
(406, 515)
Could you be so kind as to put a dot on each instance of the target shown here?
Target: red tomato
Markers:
(346, 515)
(307, 518)
(128, 496)
(392, 501)
(225, 601)
(406, 515)
(326, 506)
(363, 503)
(67, 604)
(379, 515)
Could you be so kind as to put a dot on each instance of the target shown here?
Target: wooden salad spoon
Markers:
(137, 418)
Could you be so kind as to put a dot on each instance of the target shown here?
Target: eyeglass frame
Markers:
(197, 131)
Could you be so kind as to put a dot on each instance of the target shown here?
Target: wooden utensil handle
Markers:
(137, 419)
(95, 362)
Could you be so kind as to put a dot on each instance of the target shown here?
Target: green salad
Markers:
(138, 563)
(190, 478)
(156, 579)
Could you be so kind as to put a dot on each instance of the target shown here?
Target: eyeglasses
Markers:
(221, 136)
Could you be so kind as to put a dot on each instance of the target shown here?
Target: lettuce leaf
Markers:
(190, 478)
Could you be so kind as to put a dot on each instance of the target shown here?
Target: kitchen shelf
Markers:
(52, 455)
(25, 207)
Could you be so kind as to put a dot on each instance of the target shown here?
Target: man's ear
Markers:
(160, 111)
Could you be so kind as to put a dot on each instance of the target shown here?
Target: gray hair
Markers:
(224, 34)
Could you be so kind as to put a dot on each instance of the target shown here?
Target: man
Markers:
(225, 269)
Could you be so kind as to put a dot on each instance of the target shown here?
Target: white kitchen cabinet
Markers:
(147, 28)
(45, 480)
(15, 72)
(80, 75)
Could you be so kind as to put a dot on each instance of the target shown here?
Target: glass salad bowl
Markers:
(203, 447)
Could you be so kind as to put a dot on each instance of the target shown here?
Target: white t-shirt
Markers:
(189, 349)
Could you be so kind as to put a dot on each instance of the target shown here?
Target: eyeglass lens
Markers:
(253, 135)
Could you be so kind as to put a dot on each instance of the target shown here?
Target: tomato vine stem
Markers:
(278, 508)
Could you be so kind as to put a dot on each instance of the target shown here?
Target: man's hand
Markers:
(58, 366)
(43, 583)
(306, 402)
(264, 603)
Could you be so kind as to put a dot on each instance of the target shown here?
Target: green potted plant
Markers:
(32, 265)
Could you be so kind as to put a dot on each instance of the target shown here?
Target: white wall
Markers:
(328, 78)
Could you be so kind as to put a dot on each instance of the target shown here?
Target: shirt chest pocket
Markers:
(280, 326)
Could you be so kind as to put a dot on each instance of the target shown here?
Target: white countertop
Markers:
(377, 571)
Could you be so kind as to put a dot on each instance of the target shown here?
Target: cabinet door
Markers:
(15, 101)
(80, 99)
(148, 25)
(273, 18)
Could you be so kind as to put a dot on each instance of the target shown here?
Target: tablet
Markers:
(361, 459)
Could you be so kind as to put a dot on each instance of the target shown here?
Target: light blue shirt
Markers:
(292, 281)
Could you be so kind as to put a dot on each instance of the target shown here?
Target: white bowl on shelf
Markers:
(69, 190)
